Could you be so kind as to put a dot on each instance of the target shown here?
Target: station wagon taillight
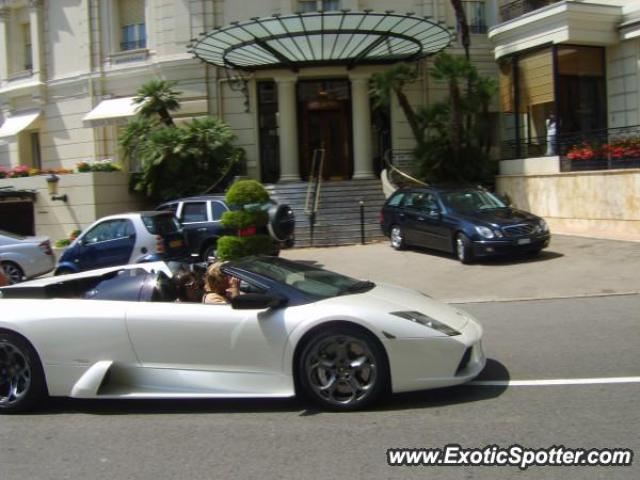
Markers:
(46, 247)
(160, 244)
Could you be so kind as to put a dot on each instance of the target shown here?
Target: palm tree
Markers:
(463, 26)
(393, 81)
(157, 97)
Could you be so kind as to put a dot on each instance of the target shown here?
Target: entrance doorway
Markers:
(17, 217)
(324, 113)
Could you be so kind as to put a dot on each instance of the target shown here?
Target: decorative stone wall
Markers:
(600, 203)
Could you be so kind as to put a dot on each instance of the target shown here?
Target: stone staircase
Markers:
(338, 216)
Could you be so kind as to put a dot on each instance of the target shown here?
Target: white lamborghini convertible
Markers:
(295, 329)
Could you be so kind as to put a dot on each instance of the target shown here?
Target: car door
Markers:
(408, 217)
(106, 244)
(432, 230)
(194, 217)
(208, 337)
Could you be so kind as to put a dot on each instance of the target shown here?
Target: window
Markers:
(217, 209)
(110, 230)
(36, 159)
(476, 16)
(316, 5)
(132, 24)
(194, 212)
(395, 200)
(28, 55)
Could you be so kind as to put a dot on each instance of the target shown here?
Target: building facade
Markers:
(68, 69)
(570, 103)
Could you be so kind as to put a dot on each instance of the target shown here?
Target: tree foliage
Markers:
(448, 148)
(246, 194)
(176, 161)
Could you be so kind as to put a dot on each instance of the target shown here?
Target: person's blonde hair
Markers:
(216, 281)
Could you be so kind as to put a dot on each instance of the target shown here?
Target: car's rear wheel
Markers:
(464, 251)
(63, 271)
(210, 253)
(22, 382)
(13, 272)
(397, 238)
(343, 368)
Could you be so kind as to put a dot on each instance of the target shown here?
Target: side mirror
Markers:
(256, 301)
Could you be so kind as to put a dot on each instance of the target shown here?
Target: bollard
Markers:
(362, 222)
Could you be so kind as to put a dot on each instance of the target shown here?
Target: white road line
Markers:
(556, 381)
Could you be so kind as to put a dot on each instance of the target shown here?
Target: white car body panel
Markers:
(118, 349)
(27, 254)
(145, 242)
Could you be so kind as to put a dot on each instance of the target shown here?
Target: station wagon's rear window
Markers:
(161, 224)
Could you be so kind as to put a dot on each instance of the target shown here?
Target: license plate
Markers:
(175, 243)
(523, 241)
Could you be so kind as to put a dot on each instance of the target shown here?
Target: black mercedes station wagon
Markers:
(469, 222)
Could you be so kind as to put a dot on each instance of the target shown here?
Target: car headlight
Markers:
(423, 319)
(543, 226)
(485, 232)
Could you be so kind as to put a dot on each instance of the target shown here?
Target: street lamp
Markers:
(52, 186)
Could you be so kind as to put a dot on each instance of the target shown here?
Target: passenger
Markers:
(188, 287)
(219, 287)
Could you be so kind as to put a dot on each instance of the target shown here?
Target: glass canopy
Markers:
(321, 38)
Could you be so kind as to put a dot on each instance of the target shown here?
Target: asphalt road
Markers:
(267, 439)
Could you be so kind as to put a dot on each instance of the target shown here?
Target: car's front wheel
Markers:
(464, 250)
(397, 238)
(22, 382)
(13, 272)
(343, 369)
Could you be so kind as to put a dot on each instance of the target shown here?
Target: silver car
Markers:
(25, 257)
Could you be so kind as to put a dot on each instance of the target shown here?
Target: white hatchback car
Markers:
(125, 238)
(25, 257)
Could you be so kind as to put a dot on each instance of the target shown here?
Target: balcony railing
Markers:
(514, 9)
(610, 148)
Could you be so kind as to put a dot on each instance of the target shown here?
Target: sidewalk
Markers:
(570, 267)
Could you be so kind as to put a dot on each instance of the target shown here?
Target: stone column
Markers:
(288, 129)
(37, 44)
(5, 14)
(361, 111)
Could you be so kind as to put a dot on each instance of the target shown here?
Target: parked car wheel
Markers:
(397, 238)
(463, 248)
(22, 382)
(210, 252)
(343, 369)
(63, 271)
(13, 272)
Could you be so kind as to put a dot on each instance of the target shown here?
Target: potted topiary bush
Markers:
(251, 198)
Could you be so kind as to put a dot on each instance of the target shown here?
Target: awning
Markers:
(16, 123)
(320, 39)
(110, 112)
(11, 192)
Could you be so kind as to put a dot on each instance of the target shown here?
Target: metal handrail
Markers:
(395, 169)
(312, 202)
(518, 8)
(563, 142)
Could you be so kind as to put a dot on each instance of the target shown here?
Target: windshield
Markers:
(471, 201)
(313, 281)
(161, 224)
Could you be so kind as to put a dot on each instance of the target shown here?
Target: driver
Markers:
(219, 287)
(188, 287)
